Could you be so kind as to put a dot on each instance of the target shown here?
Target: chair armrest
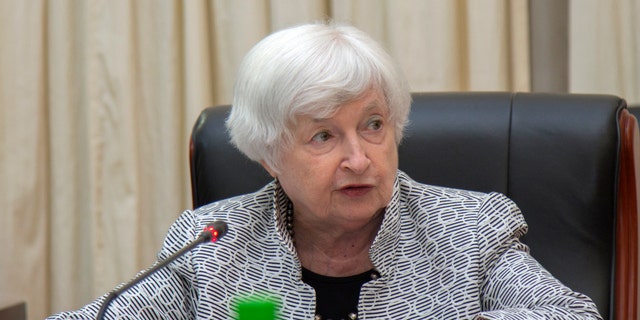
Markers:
(626, 276)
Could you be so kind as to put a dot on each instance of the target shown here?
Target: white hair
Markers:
(311, 69)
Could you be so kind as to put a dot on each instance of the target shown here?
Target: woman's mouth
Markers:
(356, 190)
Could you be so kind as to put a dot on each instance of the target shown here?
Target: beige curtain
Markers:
(604, 48)
(98, 97)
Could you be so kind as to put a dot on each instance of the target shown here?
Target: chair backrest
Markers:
(17, 311)
(569, 161)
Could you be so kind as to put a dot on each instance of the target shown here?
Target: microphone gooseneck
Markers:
(211, 233)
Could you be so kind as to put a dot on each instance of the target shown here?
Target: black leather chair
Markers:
(569, 161)
(17, 311)
(635, 110)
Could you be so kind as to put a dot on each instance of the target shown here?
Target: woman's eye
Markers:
(321, 136)
(374, 124)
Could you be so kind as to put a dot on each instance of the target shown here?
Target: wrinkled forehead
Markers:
(358, 110)
(329, 106)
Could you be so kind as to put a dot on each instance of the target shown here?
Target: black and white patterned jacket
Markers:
(441, 253)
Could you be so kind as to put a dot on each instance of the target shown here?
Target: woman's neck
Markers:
(331, 251)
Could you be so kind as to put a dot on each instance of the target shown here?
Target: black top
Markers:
(337, 297)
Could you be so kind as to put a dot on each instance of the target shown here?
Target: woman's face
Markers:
(340, 170)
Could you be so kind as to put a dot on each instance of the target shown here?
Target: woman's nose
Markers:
(355, 155)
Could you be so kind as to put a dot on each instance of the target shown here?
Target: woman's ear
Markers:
(269, 169)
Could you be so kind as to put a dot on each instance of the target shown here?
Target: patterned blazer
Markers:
(441, 254)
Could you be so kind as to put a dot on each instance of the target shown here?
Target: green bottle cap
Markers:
(256, 308)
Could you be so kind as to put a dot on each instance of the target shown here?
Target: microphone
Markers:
(211, 233)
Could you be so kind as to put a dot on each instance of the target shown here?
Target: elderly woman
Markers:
(341, 233)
